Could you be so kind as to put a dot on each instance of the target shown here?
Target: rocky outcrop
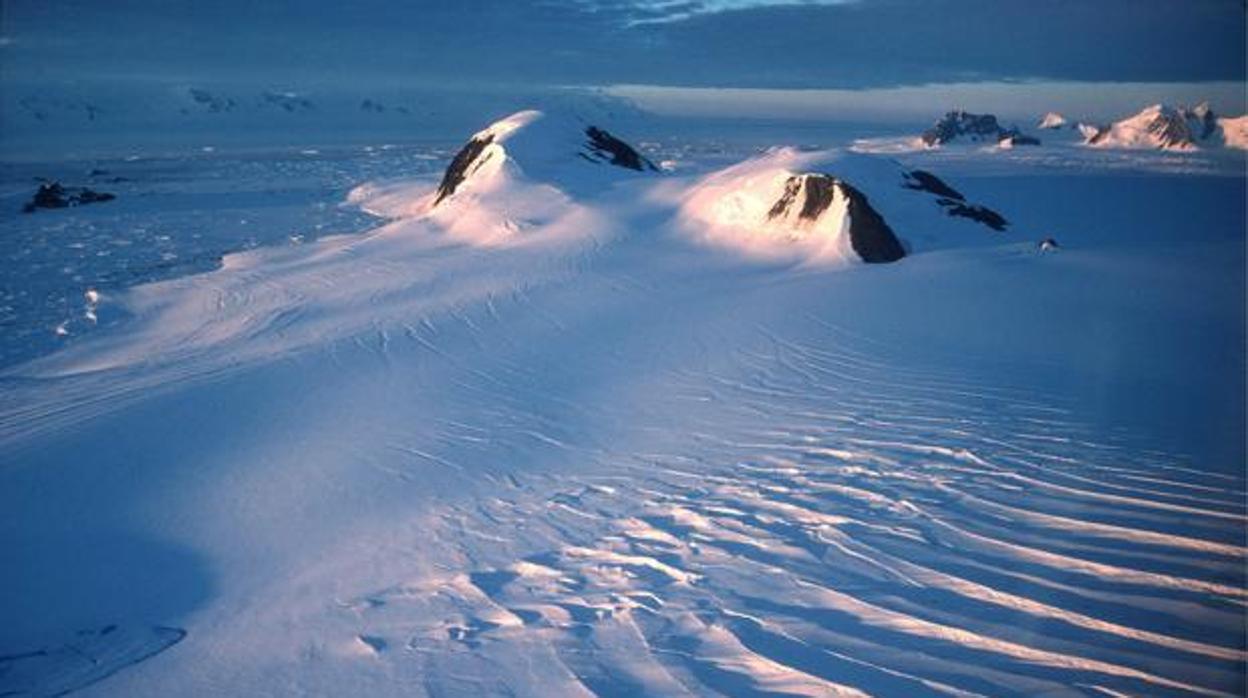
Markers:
(604, 147)
(211, 102)
(808, 197)
(963, 125)
(467, 159)
(543, 148)
(53, 195)
(921, 180)
(952, 200)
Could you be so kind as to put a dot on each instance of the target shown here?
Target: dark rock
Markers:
(210, 101)
(601, 147)
(870, 236)
(792, 187)
(961, 123)
(922, 180)
(1171, 130)
(1209, 122)
(605, 147)
(288, 102)
(950, 199)
(54, 195)
(459, 170)
(977, 127)
(1013, 136)
(979, 214)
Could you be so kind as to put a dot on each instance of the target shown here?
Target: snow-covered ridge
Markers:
(1171, 128)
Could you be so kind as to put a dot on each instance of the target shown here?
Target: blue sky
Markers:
(752, 44)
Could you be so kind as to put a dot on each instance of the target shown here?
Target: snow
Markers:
(579, 430)
(1171, 128)
(1052, 120)
(731, 209)
(1234, 131)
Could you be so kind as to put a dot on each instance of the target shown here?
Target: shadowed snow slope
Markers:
(590, 448)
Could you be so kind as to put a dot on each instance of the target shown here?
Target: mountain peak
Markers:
(960, 124)
(1052, 120)
(1169, 128)
(548, 147)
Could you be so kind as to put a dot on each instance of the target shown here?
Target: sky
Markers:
(701, 52)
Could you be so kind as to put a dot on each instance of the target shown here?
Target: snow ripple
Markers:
(905, 544)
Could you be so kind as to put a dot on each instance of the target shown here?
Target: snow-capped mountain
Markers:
(534, 174)
(1052, 120)
(831, 206)
(537, 145)
(1171, 128)
(962, 125)
(517, 179)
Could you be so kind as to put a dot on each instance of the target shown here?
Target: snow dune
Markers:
(560, 439)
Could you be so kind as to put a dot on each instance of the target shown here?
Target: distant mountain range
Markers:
(1159, 126)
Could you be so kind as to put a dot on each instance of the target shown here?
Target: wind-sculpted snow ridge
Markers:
(772, 545)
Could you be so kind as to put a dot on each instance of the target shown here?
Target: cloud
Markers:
(709, 43)
(1023, 101)
(642, 12)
